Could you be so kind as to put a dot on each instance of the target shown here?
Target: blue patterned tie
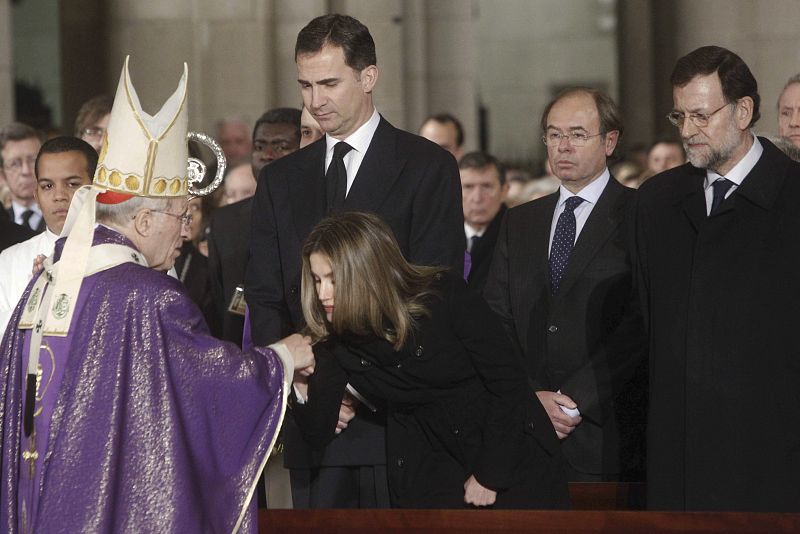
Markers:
(563, 241)
(721, 187)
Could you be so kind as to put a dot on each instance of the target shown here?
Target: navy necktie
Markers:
(26, 219)
(721, 187)
(336, 177)
(563, 241)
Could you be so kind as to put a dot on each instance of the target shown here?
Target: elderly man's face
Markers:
(234, 138)
(789, 114)
(162, 244)
(482, 195)
(19, 158)
(723, 141)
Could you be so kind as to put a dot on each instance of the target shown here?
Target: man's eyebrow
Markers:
(320, 82)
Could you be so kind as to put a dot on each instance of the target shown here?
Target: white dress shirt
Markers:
(590, 195)
(736, 175)
(16, 265)
(359, 140)
(35, 219)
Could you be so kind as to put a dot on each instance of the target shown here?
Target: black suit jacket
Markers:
(410, 182)
(39, 227)
(228, 253)
(482, 252)
(585, 340)
(457, 402)
(722, 295)
(12, 233)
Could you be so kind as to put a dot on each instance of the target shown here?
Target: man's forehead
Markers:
(267, 131)
(29, 144)
(790, 95)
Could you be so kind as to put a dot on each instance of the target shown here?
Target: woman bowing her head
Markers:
(463, 426)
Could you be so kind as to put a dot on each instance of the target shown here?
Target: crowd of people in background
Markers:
(556, 256)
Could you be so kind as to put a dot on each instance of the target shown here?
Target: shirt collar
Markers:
(359, 139)
(739, 171)
(19, 208)
(591, 193)
(470, 231)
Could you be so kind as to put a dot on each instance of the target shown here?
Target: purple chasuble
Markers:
(148, 423)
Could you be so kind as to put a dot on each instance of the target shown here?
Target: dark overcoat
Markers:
(721, 295)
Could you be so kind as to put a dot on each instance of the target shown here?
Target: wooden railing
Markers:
(598, 507)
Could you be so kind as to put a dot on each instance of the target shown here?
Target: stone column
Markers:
(6, 65)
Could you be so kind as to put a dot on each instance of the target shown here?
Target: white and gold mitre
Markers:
(143, 155)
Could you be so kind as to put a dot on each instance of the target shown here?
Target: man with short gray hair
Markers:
(789, 110)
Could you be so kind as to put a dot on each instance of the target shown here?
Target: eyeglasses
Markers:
(700, 120)
(186, 218)
(93, 132)
(554, 138)
(15, 165)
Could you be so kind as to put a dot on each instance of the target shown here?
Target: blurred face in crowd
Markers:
(271, 142)
(160, 234)
(195, 227)
(578, 166)
(724, 141)
(481, 195)
(338, 97)
(324, 281)
(58, 176)
(234, 138)
(19, 158)
(239, 184)
(443, 134)
(93, 134)
(309, 129)
(664, 156)
(789, 114)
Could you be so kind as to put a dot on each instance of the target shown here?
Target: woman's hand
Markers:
(300, 348)
(477, 495)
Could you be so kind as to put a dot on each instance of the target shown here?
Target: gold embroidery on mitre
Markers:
(104, 149)
(175, 187)
(101, 175)
(160, 186)
(115, 179)
(132, 183)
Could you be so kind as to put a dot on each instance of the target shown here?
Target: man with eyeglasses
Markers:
(92, 121)
(561, 281)
(716, 247)
(19, 144)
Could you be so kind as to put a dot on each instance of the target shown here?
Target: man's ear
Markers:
(143, 222)
(611, 142)
(744, 112)
(369, 77)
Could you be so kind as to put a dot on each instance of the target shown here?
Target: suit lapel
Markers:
(535, 264)
(307, 189)
(693, 201)
(602, 221)
(379, 169)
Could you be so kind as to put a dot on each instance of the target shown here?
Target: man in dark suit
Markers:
(19, 144)
(561, 281)
(362, 163)
(718, 256)
(12, 233)
(483, 191)
(275, 134)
